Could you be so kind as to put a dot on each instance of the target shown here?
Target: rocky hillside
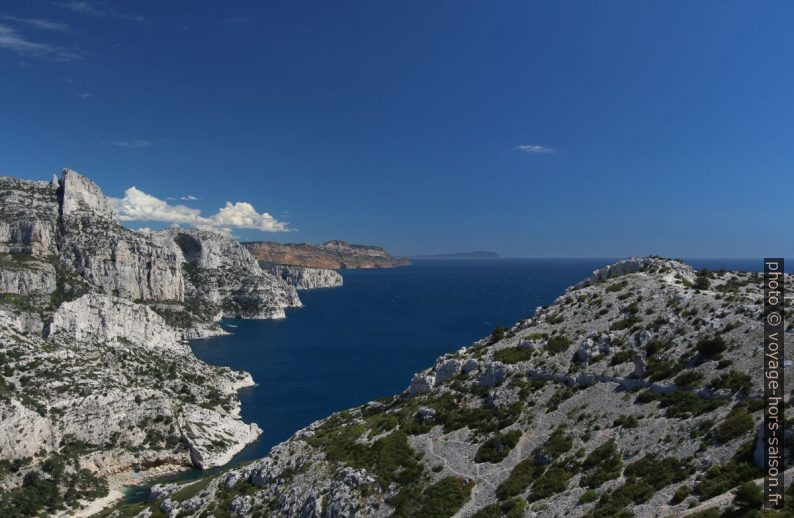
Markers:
(636, 393)
(334, 255)
(96, 381)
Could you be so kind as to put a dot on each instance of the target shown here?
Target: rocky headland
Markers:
(332, 255)
(636, 393)
(96, 380)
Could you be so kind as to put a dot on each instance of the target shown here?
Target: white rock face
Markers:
(28, 217)
(224, 273)
(29, 278)
(205, 430)
(448, 370)
(635, 264)
(421, 383)
(99, 317)
(82, 196)
(306, 278)
(112, 258)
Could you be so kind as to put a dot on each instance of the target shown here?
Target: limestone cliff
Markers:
(305, 278)
(96, 381)
(636, 393)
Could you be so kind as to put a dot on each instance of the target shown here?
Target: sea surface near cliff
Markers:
(365, 340)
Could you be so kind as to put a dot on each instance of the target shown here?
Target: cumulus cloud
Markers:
(534, 149)
(137, 205)
(243, 215)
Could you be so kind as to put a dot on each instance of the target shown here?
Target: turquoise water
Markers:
(365, 340)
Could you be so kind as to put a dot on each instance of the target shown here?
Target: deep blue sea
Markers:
(365, 340)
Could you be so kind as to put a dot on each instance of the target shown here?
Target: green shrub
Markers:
(708, 347)
(444, 498)
(613, 504)
(497, 334)
(733, 380)
(625, 323)
(618, 286)
(688, 379)
(589, 496)
(513, 508)
(621, 357)
(604, 463)
(720, 479)
(680, 495)
(554, 480)
(702, 281)
(626, 421)
(497, 448)
(658, 472)
(748, 496)
(558, 344)
(737, 423)
(513, 354)
(523, 474)
(687, 404)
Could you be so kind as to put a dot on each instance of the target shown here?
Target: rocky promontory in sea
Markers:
(96, 380)
(636, 393)
(333, 255)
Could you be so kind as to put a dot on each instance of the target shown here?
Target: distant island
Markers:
(479, 254)
(333, 255)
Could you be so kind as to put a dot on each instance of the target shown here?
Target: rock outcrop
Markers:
(303, 278)
(634, 393)
(332, 255)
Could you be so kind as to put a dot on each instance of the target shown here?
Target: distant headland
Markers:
(334, 255)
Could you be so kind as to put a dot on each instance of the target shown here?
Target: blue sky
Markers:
(528, 128)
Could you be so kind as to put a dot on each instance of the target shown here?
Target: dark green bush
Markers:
(497, 448)
(604, 463)
(658, 472)
(558, 344)
(444, 498)
(737, 423)
(513, 508)
(554, 480)
(688, 379)
(523, 474)
(733, 380)
(513, 354)
(708, 347)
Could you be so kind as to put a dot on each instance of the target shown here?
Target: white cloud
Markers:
(91, 9)
(132, 144)
(13, 40)
(137, 205)
(42, 23)
(85, 96)
(534, 149)
(243, 215)
(82, 8)
(189, 197)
